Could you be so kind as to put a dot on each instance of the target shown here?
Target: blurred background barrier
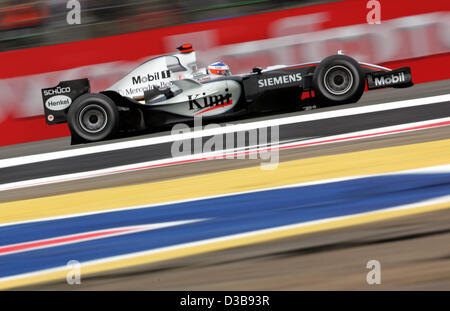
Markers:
(39, 48)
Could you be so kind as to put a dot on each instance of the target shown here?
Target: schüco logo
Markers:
(392, 79)
(151, 77)
(280, 80)
(58, 102)
(56, 91)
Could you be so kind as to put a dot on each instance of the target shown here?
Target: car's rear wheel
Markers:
(93, 117)
(338, 79)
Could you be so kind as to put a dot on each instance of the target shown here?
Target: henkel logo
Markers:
(58, 102)
(57, 90)
(200, 101)
(392, 79)
(151, 77)
(280, 80)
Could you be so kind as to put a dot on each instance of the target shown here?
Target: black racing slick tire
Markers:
(93, 117)
(338, 79)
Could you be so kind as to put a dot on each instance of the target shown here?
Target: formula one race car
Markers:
(170, 89)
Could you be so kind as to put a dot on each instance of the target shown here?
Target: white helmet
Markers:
(219, 68)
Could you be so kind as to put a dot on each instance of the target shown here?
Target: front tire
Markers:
(93, 117)
(337, 80)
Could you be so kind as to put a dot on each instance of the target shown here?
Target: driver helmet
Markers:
(220, 69)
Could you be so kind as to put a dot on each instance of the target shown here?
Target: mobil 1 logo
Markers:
(159, 75)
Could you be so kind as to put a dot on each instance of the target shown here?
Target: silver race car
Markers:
(171, 89)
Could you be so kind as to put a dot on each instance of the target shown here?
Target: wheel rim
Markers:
(338, 80)
(93, 118)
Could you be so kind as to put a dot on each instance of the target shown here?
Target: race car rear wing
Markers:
(58, 99)
(398, 78)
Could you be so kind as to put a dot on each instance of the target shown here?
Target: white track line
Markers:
(217, 154)
(119, 231)
(227, 129)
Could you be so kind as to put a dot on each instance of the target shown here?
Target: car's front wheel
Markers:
(338, 79)
(93, 117)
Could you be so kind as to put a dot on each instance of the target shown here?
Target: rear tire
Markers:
(337, 80)
(93, 117)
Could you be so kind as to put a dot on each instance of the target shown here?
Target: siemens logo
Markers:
(151, 77)
(280, 80)
(392, 79)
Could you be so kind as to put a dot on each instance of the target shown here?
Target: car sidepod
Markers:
(200, 99)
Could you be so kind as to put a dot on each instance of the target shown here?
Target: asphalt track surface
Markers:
(413, 250)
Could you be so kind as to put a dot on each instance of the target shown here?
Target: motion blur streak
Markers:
(320, 207)
(85, 236)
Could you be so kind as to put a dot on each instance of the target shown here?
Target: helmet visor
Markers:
(221, 72)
